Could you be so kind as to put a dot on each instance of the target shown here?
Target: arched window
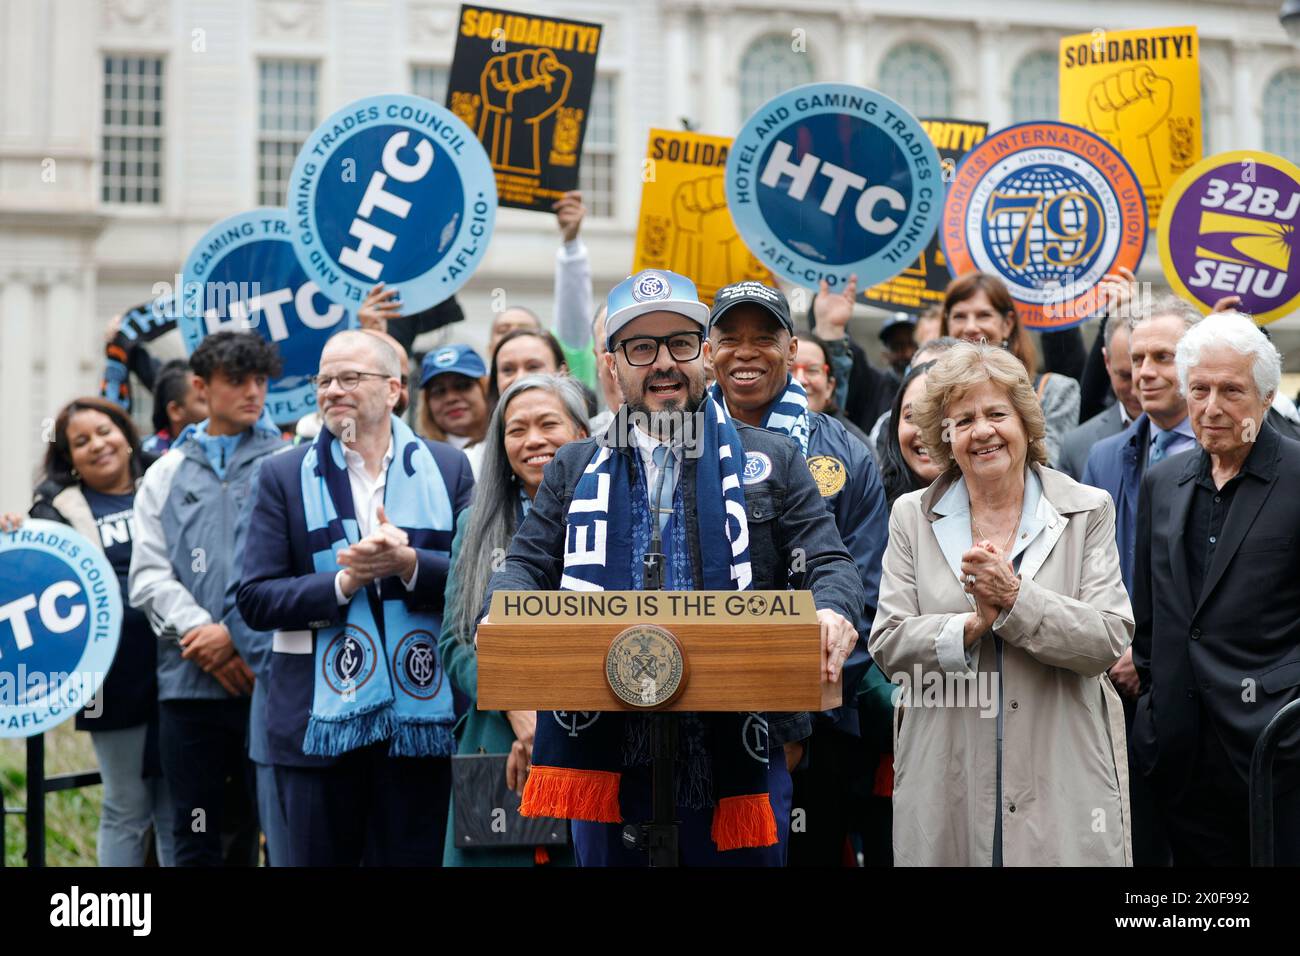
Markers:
(770, 66)
(1036, 88)
(1281, 107)
(918, 78)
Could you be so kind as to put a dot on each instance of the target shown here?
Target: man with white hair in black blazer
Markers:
(1217, 602)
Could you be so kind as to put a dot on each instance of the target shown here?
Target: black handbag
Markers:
(487, 811)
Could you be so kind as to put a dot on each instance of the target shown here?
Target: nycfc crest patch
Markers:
(757, 467)
(829, 473)
(415, 664)
(349, 661)
(651, 285)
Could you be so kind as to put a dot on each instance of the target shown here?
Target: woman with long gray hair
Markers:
(535, 416)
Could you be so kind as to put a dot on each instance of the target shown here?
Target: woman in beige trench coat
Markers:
(1001, 608)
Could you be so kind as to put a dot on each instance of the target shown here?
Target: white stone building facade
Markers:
(128, 126)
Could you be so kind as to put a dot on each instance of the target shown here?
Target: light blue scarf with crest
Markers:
(378, 675)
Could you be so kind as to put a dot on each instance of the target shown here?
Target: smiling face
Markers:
(369, 404)
(752, 355)
(976, 320)
(99, 451)
(457, 404)
(665, 385)
(1151, 347)
(909, 436)
(536, 425)
(812, 371)
(988, 437)
(525, 355)
(1223, 401)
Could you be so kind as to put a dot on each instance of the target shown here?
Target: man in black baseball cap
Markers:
(898, 335)
(752, 348)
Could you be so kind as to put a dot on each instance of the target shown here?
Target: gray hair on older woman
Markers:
(966, 366)
(492, 522)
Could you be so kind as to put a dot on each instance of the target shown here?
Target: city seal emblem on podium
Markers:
(645, 666)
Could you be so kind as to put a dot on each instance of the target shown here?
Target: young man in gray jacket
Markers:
(209, 660)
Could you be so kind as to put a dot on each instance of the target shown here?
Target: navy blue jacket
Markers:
(281, 590)
(784, 512)
(846, 476)
(1115, 465)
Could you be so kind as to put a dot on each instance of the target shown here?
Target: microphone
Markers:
(652, 562)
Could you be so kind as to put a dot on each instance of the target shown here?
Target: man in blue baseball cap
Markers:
(730, 504)
(453, 400)
(753, 347)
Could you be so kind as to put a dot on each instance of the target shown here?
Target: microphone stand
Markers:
(659, 837)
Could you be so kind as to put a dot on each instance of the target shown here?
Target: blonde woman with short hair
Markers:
(1001, 609)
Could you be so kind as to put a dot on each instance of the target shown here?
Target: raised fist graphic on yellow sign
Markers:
(685, 226)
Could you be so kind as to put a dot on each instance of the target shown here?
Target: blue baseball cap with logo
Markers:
(652, 290)
(451, 358)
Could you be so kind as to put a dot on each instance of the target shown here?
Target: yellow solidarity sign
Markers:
(1141, 90)
(684, 225)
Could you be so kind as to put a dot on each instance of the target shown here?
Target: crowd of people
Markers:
(1057, 583)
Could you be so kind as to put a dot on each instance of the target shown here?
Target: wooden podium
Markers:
(740, 650)
(580, 652)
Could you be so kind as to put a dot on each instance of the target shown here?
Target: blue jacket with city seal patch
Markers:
(846, 476)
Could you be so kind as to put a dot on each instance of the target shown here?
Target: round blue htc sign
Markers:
(60, 621)
(827, 181)
(392, 189)
(243, 274)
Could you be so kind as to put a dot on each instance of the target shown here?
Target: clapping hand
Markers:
(988, 578)
(383, 553)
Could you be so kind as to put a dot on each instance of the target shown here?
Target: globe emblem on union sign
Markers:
(1043, 226)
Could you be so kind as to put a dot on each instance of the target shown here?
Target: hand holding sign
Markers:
(832, 310)
(380, 307)
(569, 213)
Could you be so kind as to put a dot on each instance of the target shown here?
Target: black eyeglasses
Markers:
(644, 349)
(347, 380)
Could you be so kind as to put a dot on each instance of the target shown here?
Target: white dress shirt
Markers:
(646, 445)
(367, 496)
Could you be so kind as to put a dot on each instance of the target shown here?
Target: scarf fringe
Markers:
(422, 738)
(692, 769)
(331, 736)
(567, 794)
(744, 821)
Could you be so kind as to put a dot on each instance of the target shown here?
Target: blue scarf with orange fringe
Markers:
(577, 763)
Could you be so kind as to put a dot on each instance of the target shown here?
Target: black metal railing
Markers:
(38, 785)
(1261, 783)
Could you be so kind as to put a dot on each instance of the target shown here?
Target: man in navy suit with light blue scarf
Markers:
(348, 550)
